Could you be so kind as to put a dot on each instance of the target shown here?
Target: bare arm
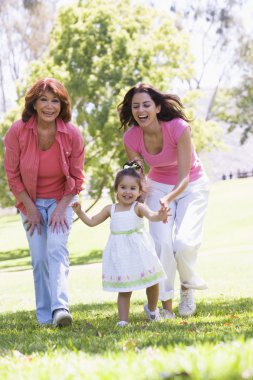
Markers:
(95, 219)
(184, 152)
(154, 216)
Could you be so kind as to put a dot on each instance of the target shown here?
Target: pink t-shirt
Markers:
(51, 179)
(163, 165)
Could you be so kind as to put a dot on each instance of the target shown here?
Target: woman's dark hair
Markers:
(171, 106)
(38, 89)
(127, 172)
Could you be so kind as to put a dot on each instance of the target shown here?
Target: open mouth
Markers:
(143, 117)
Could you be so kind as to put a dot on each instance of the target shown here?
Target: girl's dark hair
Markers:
(38, 89)
(129, 172)
(136, 164)
(171, 106)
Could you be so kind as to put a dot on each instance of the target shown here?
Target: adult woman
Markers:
(44, 165)
(160, 135)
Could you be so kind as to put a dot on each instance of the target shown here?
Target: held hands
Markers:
(164, 213)
(164, 202)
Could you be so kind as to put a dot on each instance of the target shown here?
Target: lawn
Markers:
(216, 343)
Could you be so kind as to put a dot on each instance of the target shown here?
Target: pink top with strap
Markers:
(164, 165)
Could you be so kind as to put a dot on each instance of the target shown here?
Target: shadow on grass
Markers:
(12, 260)
(14, 254)
(94, 256)
(94, 329)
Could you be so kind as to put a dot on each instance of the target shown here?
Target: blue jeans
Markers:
(50, 262)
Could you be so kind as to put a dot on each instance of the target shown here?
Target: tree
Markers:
(234, 105)
(98, 53)
(5, 194)
(216, 30)
(226, 46)
(25, 27)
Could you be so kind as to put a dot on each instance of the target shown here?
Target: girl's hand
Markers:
(58, 220)
(33, 220)
(164, 214)
(76, 206)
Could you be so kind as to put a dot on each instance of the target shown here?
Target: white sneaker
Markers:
(122, 323)
(187, 304)
(166, 314)
(62, 318)
(152, 315)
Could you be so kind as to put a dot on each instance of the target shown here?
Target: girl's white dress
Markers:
(129, 258)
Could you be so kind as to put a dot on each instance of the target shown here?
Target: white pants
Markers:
(177, 241)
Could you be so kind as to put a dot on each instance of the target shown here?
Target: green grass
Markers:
(217, 343)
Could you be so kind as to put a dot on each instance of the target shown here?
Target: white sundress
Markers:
(129, 258)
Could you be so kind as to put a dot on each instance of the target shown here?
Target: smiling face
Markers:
(144, 109)
(48, 107)
(128, 190)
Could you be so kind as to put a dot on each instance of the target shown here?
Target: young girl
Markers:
(129, 258)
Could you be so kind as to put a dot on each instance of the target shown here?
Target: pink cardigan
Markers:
(22, 157)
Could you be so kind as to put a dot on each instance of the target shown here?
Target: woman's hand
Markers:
(58, 219)
(33, 220)
(164, 202)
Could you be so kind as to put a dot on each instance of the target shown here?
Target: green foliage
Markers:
(203, 132)
(100, 51)
(234, 105)
(206, 134)
(106, 49)
(5, 195)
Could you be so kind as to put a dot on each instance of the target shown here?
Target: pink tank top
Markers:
(164, 166)
(51, 180)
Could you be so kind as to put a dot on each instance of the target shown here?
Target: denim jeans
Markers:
(50, 262)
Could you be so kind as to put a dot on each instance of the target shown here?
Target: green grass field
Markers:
(216, 343)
